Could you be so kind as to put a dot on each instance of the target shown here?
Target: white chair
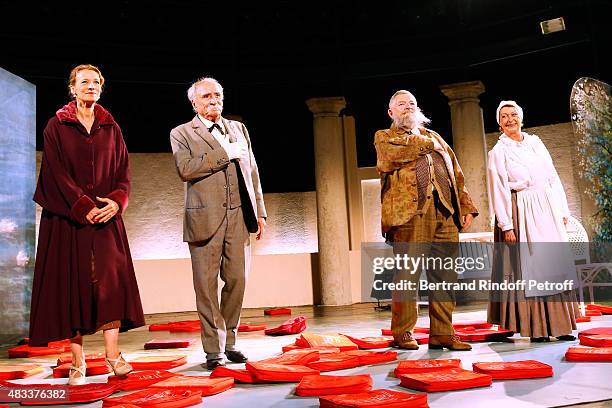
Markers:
(586, 271)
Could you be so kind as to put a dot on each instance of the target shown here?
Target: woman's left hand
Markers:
(564, 220)
(108, 211)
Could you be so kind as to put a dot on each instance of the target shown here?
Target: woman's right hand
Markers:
(92, 215)
(509, 236)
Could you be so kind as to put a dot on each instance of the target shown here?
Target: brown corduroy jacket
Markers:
(396, 153)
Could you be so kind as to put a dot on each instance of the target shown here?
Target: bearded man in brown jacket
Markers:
(424, 201)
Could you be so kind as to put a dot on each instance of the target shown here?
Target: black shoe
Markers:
(214, 363)
(235, 356)
(566, 337)
(540, 339)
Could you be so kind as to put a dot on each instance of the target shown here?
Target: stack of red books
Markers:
(425, 366)
(375, 399)
(291, 326)
(370, 342)
(318, 385)
(155, 398)
(589, 354)
(248, 327)
(334, 361)
(17, 371)
(445, 380)
(512, 370)
(137, 380)
(203, 384)
(367, 357)
(270, 372)
(276, 311)
(158, 362)
(240, 375)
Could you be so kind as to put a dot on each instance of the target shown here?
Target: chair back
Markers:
(579, 241)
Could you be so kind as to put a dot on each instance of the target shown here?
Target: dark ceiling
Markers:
(271, 56)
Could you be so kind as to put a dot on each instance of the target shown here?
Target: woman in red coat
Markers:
(84, 278)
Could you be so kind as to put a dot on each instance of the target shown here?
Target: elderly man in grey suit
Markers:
(223, 204)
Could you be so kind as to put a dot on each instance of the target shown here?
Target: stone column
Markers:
(332, 214)
(470, 145)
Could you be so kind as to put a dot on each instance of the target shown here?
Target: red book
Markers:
(158, 362)
(65, 344)
(421, 337)
(596, 340)
(334, 361)
(17, 371)
(189, 325)
(291, 347)
(139, 379)
(93, 368)
(474, 324)
(445, 380)
(294, 357)
(596, 330)
(248, 327)
(589, 354)
(367, 357)
(26, 351)
(583, 319)
(156, 398)
(593, 313)
(375, 399)
(278, 372)
(326, 340)
(67, 358)
(317, 385)
(483, 334)
(370, 342)
(204, 384)
(240, 375)
(167, 343)
(276, 311)
(425, 366)
(600, 308)
(291, 326)
(511, 370)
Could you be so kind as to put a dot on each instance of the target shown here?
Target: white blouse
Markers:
(519, 166)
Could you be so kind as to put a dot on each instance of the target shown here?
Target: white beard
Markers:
(411, 120)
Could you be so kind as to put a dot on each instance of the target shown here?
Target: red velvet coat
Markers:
(67, 294)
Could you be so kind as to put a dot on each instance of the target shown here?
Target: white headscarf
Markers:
(519, 110)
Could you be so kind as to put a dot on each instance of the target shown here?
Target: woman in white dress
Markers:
(530, 207)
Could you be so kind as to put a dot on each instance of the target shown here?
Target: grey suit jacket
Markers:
(202, 163)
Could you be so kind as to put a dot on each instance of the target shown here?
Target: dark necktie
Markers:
(216, 125)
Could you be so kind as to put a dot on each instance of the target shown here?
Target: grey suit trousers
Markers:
(225, 254)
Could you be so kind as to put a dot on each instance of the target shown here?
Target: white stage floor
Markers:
(572, 383)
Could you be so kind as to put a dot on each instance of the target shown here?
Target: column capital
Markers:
(463, 91)
(329, 106)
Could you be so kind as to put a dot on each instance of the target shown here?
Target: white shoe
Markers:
(76, 375)
(119, 365)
